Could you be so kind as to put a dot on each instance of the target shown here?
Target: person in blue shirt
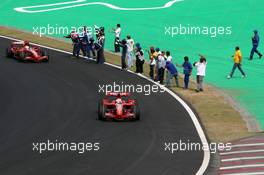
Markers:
(88, 41)
(187, 71)
(172, 73)
(255, 44)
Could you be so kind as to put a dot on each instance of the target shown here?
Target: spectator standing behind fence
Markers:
(172, 72)
(161, 66)
(187, 71)
(255, 44)
(237, 63)
(201, 70)
(139, 58)
(123, 44)
(117, 32)
(130, 49)
(152, 57)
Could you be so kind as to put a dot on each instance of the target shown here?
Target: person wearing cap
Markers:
(255, 44)
(139, 58)
(237, 64)
(201, 70)
(130, 49)
(152, 57)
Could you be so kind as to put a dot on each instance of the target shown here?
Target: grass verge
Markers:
(222, 122)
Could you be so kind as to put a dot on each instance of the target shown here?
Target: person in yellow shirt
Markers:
(152, 57)
(237, 64)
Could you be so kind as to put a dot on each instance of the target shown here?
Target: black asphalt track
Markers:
(58, 101)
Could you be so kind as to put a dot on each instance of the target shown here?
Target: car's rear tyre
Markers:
(9, 53)
(44, 53)
(101, 111)
(136, 111)
(46, 60)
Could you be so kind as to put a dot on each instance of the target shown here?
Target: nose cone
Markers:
(119, 110)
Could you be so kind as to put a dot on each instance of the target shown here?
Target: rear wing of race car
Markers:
(115, 94)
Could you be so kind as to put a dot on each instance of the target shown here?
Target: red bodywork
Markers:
(23, 52)
(119, 106)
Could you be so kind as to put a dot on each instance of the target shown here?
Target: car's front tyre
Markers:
(101, 111)
(9, 53)
(136, 111)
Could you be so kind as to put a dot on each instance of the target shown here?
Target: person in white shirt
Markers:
(201, 71)
(117, 33)
(168, 58)
(161, 66)
(130, 49)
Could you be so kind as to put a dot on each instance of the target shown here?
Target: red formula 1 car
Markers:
(118, 106)
(24, 52)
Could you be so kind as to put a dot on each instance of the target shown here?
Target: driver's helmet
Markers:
(118, 99)
(26, 43)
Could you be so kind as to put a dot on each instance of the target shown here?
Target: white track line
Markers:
(254, 173)
(247, 145)
(243, 151)
(241, 166)
(242, 158)
(80, 4)
(206, 157)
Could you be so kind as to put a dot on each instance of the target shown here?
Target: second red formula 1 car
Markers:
(118, 106)
(24, 52)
